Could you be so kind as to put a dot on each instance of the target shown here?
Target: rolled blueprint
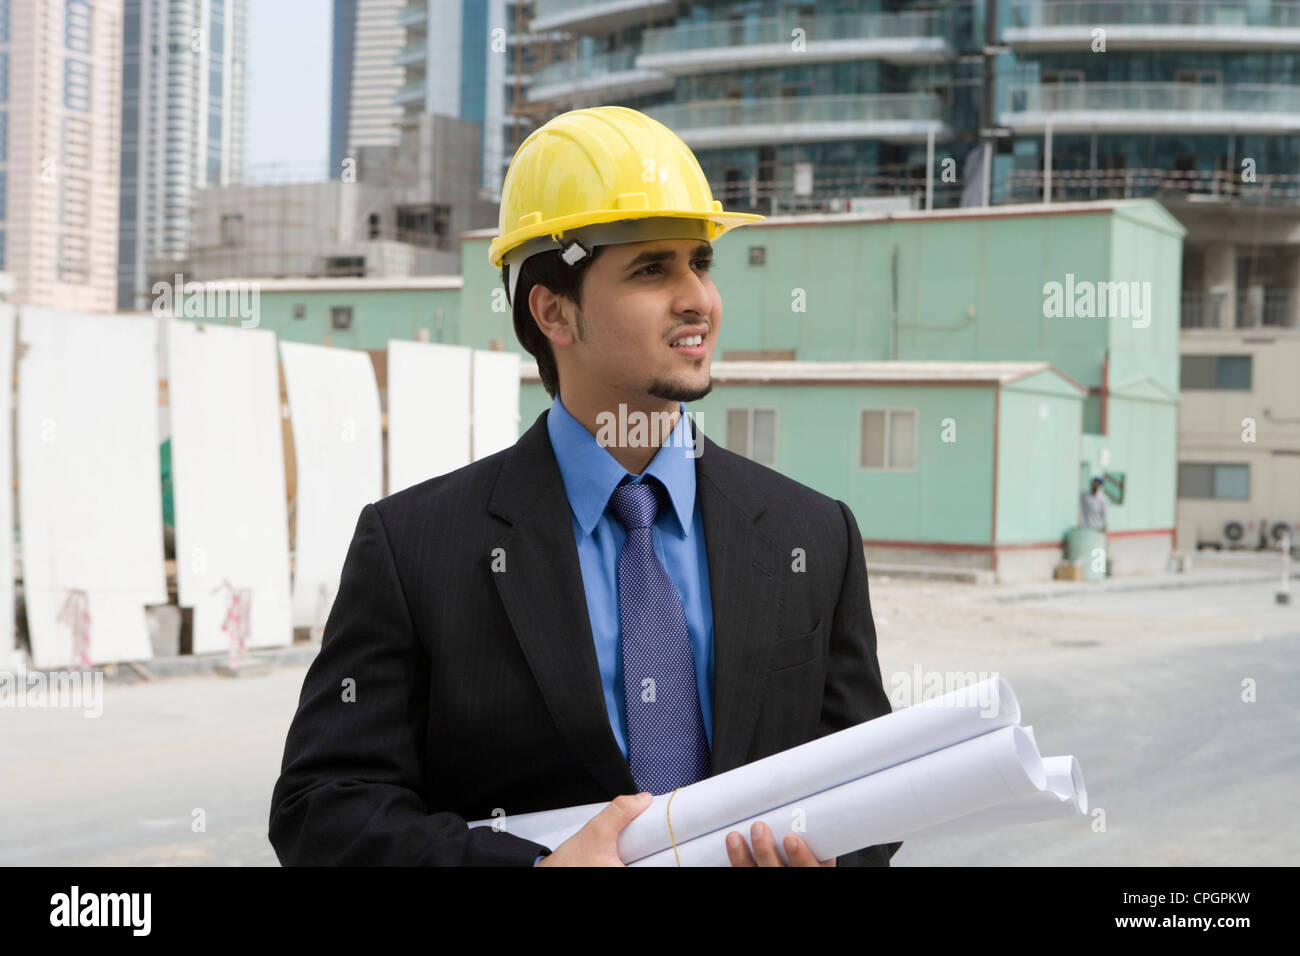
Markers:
(879, 807)
(1064, 798)
(784, 778)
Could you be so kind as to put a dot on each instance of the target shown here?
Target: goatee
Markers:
(674, 392)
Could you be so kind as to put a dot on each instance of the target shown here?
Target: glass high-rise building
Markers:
(788, 106)
(182, 126)
(60, 61)
(458, 59)
(366, 72)
(1196, 103)
(844, 105)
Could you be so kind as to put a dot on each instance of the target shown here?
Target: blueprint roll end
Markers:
(1080, 791)
(1029, 757)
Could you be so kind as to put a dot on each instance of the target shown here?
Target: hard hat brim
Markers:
(723, 220)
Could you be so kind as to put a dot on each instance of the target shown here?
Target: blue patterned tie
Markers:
(666, 744)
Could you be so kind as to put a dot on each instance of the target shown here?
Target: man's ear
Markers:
(553, 314)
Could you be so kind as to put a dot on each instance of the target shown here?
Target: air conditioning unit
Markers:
(1240, 533)
(1276, 529)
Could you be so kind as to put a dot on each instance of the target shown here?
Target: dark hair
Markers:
(546, 269)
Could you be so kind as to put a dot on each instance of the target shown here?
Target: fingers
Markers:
(596, 844)
(798, 853)
(625, 808)
(764, 843)
(738, 851)
(621, 811)
(764, 851)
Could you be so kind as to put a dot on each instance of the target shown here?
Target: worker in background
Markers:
(1094, 509)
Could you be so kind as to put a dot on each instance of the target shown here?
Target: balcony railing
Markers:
(1204, 310)
(415, 12)
(597, 16)
(411, 92)
(550, 8)
(1026, 185)
(1153, 97)
(1200, 310)
(412, 53)
(1191, 13)
(781, 30)
(600, 64)
(792, 112)
(1273, 309)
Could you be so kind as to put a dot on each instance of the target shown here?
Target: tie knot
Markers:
(636, 505)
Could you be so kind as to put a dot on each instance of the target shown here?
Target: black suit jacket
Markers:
(476, 690)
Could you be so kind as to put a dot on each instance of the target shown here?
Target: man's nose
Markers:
(693, 296)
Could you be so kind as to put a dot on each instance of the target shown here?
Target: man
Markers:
(1094, 511)
(586, 615)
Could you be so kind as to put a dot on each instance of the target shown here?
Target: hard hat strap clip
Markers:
(574, 252)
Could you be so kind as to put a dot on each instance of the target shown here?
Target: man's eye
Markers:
(706, 264)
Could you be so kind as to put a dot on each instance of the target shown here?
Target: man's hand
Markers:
(765, 849)
(596, 844)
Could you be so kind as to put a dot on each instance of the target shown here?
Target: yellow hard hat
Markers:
(606, 164)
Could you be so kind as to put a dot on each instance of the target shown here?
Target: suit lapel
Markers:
(541, 590)
(543, 596)
(745, 596)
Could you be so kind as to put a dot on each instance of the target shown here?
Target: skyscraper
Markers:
(458, 59)
(60, 63)
(365, 76)
(182, 93)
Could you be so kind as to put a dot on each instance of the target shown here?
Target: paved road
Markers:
(1143, 687)
(122, 789)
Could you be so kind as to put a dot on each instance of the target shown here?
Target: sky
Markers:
(288, 82)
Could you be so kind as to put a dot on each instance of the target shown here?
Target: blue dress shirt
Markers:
(590, 476)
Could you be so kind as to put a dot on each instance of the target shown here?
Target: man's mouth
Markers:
(690, 342)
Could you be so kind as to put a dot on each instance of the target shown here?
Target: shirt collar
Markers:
(591, 473)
